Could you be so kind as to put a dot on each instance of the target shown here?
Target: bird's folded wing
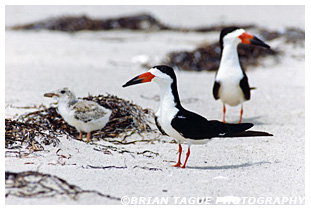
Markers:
(87, 111)
(245, 87)
(193, 126)
(216, 90)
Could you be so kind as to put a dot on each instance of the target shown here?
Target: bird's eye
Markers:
(63, 91)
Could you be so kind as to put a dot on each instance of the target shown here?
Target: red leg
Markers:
(224, 116)
(241, 113)
(81, 135)
(88, 137)
(187, 156)
(179, 150)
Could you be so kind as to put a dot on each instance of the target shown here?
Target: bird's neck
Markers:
(229, 57)
(169, 96)
(68, 103)
(72, 102)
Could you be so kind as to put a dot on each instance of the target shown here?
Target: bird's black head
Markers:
(166, 70)
(236, 35)
(159, 74)
(224, 32)
(162, 75)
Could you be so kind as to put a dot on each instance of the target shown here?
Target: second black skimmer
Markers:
(231, 83)
(183, 125)
(85, 116)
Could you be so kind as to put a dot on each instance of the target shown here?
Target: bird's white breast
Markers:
(229, 76)
(230, 92)
(64, 111)
(166, 113)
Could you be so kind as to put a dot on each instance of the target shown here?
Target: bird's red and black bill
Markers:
(145, 77)
(247, 38)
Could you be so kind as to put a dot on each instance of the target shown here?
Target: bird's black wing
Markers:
(193, 126)
(216, 90)
(245, 87)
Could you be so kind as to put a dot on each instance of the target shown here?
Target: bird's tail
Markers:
(240, 130)
(237, 130)
(249, 134)
(229, 128)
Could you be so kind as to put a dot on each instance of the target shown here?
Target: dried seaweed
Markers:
(145, 22)
(104, 167)
(48, 119)
(109, 149)
(291, 35)
(147, 168)
(78, 23)
(126, 119)
(207, 57)
(33, 136)
(31, 184)
(121, 167)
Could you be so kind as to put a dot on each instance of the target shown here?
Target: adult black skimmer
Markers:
(175, 121)
(85, 116)
(231, 83)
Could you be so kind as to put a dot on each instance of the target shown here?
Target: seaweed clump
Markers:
(31, 184)
(207, 57)
(126, 118)
(32, 136)
(142, 22)
(43, 127)
(78, 23)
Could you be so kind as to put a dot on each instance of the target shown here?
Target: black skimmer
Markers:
(177, 122)
(231, 83)
(85, 116)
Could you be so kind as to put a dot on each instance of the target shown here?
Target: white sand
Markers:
(100, 62)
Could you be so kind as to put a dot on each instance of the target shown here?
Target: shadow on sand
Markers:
(256, 120)
(228, 166)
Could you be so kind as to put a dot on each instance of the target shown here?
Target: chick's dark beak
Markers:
(50, 95)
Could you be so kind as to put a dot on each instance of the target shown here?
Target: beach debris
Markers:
(291, 35)
(24, 138)
(43, 127)
(31, 184)
(120, 167)
(104, 167)
(126, 118)
(207, 56)
(148, 168)
(78, 23)
(109, 149)
(146, 22)
(204, 57)
(143, 21)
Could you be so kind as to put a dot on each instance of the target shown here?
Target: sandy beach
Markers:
(88, 62)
